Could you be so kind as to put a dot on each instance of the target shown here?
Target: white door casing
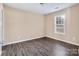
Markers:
(1, 28)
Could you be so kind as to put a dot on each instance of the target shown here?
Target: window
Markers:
(60, 24)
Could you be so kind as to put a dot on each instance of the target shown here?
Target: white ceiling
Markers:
(42, 9)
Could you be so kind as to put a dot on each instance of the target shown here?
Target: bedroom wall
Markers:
(72, 25)
(22, 25)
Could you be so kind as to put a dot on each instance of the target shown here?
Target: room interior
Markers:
(30, 29)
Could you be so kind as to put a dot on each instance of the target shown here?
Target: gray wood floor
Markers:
(40, 47)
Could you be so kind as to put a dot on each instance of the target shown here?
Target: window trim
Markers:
(61, 15)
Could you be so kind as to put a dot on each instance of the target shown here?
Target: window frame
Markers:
(55, 25)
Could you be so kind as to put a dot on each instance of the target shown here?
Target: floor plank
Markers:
(40, 47)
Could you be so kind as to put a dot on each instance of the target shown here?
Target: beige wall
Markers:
(72, 25)
(21, 25)
(75, 22)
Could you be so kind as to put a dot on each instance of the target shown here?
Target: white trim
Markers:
(3, 35)
(1, 38)
(22, 40)
(63, 24)
(64, 40)
(0, 49)
(41, 37)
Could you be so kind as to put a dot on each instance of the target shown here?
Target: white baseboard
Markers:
(22, 40)
(41, 37)
(0, 51)
(64, 41)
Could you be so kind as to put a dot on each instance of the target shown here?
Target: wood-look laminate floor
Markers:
(40, 47)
